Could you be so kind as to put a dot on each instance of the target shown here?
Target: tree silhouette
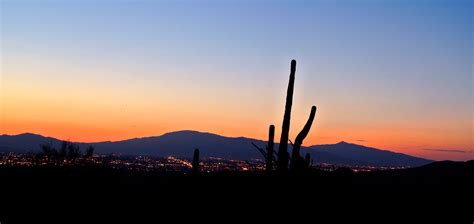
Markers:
(62, 152)
(73, 152)
(68, 151)
(89, 152)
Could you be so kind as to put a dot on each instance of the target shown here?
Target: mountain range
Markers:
(182, 144)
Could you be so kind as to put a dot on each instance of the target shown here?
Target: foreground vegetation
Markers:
(78, 192)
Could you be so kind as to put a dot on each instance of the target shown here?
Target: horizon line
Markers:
(169, 132)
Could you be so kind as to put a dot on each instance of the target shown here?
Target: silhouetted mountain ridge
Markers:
(354, 154)
(182, 144)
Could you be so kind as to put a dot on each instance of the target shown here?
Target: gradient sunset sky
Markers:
(395, 75)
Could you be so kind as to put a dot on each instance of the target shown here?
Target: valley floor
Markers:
(442, 190)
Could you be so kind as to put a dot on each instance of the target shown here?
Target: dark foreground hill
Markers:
(439, 191)
(182, 144)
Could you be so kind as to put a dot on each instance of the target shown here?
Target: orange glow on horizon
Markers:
(85, 110)
(412, 143)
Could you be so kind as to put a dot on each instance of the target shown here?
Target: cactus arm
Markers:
(302, 135)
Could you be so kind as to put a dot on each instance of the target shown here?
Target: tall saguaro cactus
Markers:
(283, 148)
(295, 155)
(196, 161)
(269, 158)
(298, 163)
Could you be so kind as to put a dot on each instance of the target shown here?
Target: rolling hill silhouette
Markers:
(182, 143)
(354, 154)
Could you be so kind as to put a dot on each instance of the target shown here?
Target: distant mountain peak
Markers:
(188, 132)
(26, 134)
(182, 131)
(185, 132)
(30, 134)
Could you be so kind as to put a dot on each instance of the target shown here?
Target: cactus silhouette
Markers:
(295, 155)
(268, 153)
(297, 162)
(269, 158)
(283, 148)
(196, 161)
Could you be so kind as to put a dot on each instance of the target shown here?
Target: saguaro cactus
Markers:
(295, 155)
(268, 152)
(297, 162)
(196, 161)
(271, 136)
(283, 148)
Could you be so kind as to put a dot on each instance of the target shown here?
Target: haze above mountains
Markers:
(182, 144)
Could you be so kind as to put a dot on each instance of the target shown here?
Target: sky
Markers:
(395, 75)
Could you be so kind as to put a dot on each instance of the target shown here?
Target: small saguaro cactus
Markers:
(269, 158)
(267, 152)
(196, 161)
